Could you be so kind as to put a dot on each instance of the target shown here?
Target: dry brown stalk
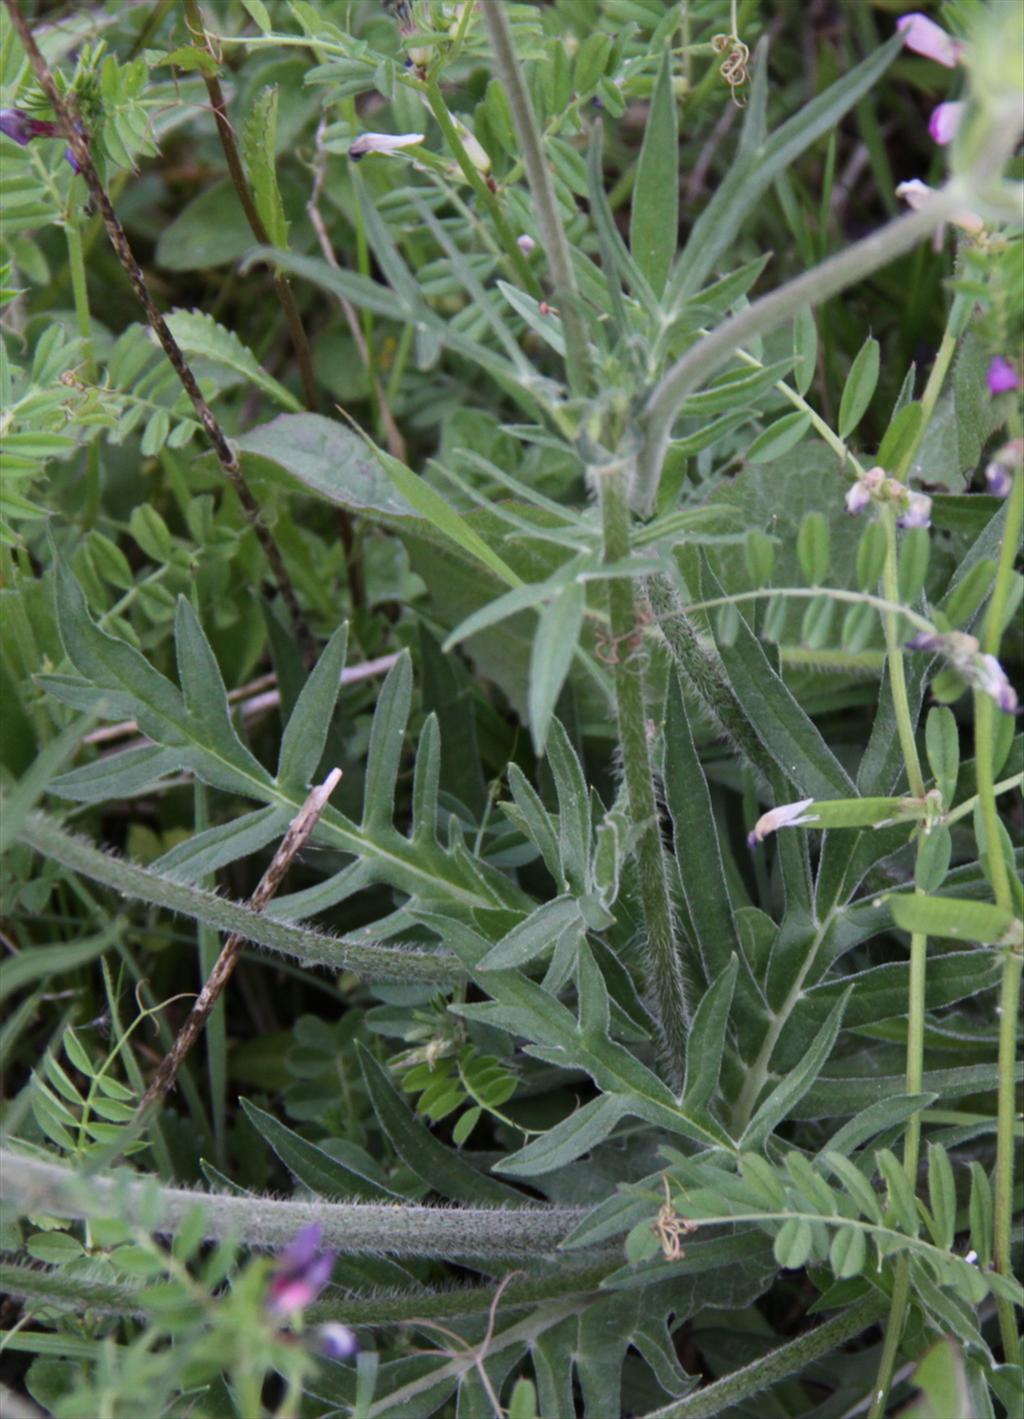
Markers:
(299, 830)
(78, 142)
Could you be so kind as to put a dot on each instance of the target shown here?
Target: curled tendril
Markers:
(734, 68)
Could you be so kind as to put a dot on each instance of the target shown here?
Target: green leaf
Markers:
(933, 857)
(574, 823)
(323, 1174)
(304, 737)
(954, 917)
(203, 853)
(206, 701)
(901, 437)
(199, 334)
(695, 834)
(442, 1169)
(705, 1043)
(794, 1243)
(964, 601)
(805, 349)
(654, 217)
(562, 1144)
(387, 735)
(786, 1094)
(900, 1191)
(886, 1113)
(778, 438)
(981, 1213)
(813, 547)
(532, 936)
(942, 1196)
(848, 1252)
(859, 388)
(554, 646)
(856, 1184)
(942, 744)
(123, 775)
(259, 146)
(871, 557)
(915, 550)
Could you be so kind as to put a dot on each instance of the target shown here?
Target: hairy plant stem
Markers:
(788, 1360)
(349, 1227)
(1013, 961)
(311, 948)
(549, 218)
(764, 315)
(78, 142)
(300, 344)
(664, 968)
(893, 1335)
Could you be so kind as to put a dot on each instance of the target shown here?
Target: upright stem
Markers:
(1013, 962)
(549, 218)
(83, 319)
(918, 955)
(665, 976)
(285, 296)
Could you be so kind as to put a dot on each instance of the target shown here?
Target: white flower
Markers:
(990, 677)
(786, 815)
(918, 511)
(382, 143)
(916, 194)
(525, 243)
(867, 486)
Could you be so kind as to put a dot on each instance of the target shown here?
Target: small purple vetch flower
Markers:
(786, 815)
(925, 37)
(945, 121)
(1001, 378)
(22, 127)
(525, 243)
(336, 1341)
(981, 672)
(999, 472)
(302, 1272)
(917, 511)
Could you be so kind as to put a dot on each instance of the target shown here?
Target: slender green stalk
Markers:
(665, 976)
(893, 1336)
(83, 319)
(549, 218)
(34, 1186)
(767, 1370)
(764, 315)
(1009, 1002)
(894, 655)
(476, 180)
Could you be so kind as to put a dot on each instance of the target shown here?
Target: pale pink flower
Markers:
(786, 815)
(916, 193)
(945, 122)
(302, 1272)
(525, 243)
(867, 486)
(925, 37)
(990, 677)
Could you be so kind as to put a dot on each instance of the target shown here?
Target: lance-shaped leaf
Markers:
(788, 1093)
(536, 934)
(705, 1043)
(305, 734)
(323, 1174)
(654, 219)
(955, 917)
(562, 1144)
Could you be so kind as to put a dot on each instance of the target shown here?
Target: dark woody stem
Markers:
(223, 968)
(226, 457)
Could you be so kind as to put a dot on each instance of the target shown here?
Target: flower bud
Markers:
(945, 121)
(925, 37)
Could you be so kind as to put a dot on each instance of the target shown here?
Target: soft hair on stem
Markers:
(78, 142)
(33, 1185)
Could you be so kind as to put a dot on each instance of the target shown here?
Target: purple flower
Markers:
(525, 243)
(302, 1273)
(917, 512)
(981, 672)
(336, 1341)
(867, 486)
(926, 640)
(945, 122)
(786, 815)
(23, 128)
(924, 36)
(1001, 377)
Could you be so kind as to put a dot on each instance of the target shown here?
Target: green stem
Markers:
(894, 655)
(764, 315)
(665, 974)
(209, 944)
(310, 947)
(893, 1335)
(1009, 1003)
(83, 317)
(549, 218)
(478, 183)
(33, 1185)
(767, 1370)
